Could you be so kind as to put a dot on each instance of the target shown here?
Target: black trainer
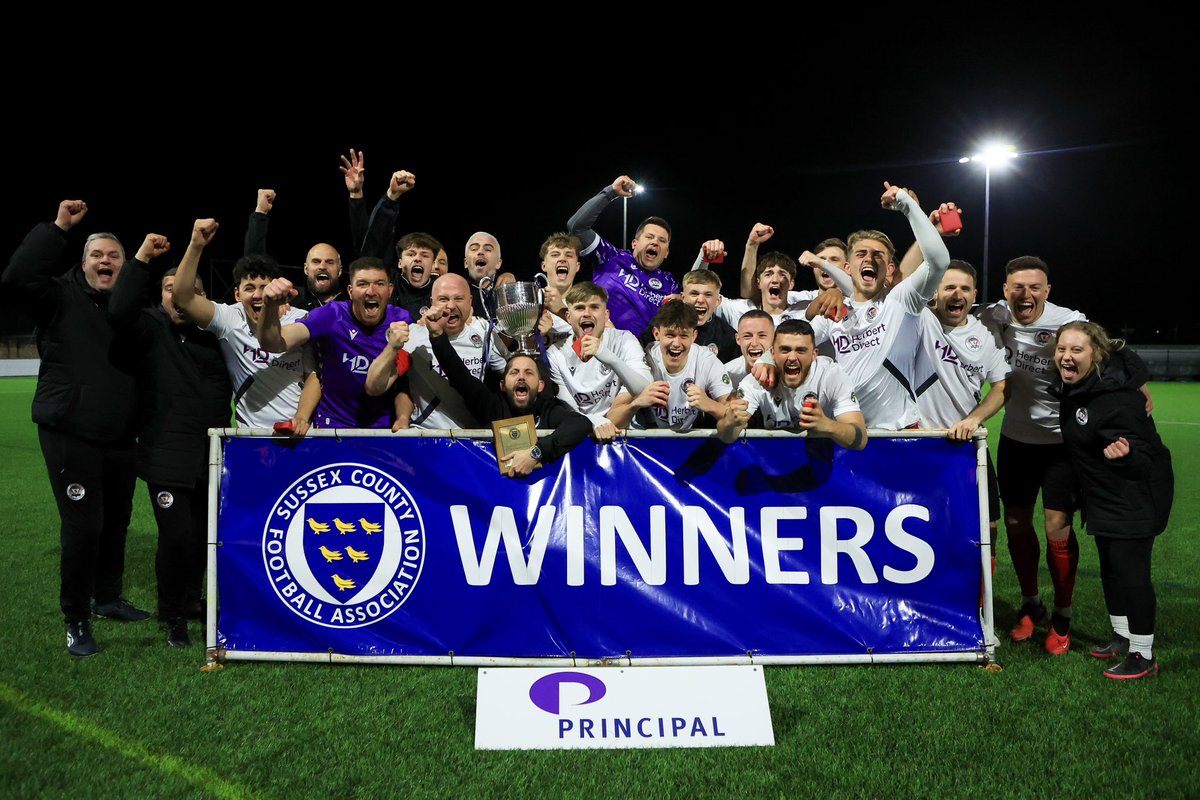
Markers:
(121, 610)
(1117, 647)
(177, 632)
(79, 639)
(1133, 667)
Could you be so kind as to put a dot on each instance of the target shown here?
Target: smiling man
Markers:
(348, 335)
(634, 278)
(813, 394)
(876, 342)
(267, 385)
(1031, 457)
(322, 263)
(85, 409)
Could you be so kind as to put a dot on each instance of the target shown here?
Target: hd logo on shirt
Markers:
(344, 546)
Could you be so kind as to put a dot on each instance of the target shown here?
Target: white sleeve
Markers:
(840, 277)
(752, 392)
(920, 287)
(841, 392)
(715, 379)
(223, 320)
(623, 356)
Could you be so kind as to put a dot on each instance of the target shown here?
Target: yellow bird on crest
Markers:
(330, 555)
(370, 527)
(344, 527)
(356, 555)
(318, 527)
(343, 583)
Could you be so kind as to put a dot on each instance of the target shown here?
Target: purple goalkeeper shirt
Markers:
(345, 351)
(634, 294)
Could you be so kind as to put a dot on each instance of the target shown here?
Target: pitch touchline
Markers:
(201, 777)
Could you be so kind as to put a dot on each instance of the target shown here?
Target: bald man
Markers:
(322, 263)
(434, 403)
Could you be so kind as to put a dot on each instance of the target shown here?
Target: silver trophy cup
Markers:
(518, 309)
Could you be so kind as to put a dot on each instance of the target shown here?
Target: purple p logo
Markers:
(544, 691)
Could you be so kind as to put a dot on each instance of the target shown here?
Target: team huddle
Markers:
(406, 343)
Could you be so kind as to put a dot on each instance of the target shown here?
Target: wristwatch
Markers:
(536, 453)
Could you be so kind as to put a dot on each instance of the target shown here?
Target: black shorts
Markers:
(993, 491)
(1026, 469)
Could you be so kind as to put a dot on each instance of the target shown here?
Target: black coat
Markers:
(183, 386)
(86, 384)
(1128, 497)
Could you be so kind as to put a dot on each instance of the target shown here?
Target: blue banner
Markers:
(652, 547)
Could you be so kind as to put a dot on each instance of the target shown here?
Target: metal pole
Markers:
(624, 222)
(987, 214)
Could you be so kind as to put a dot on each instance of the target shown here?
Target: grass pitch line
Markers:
(1175, 422)
(200, 777)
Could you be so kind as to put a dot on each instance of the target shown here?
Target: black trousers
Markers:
(93, 488)
(182, 517)
(1125, 576)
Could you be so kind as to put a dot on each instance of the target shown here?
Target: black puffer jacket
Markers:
(86, 380)
(183, 386)
(1126, 497)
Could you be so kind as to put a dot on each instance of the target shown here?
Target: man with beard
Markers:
(521, 393)
(184, 390)
(634, 280)
(267, 384)
(85, 408)
(813, 394)
(957, 356)
(322, 264)
(876, 341)
(429, 401)
(348, 335)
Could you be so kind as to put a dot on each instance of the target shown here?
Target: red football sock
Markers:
(1063, 559)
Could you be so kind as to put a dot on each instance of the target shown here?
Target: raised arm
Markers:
(913, 258)
(761, 232)
(256, 227)
(30, 272)
(354, 171)
(582, 221)
(483, 403)
(381, 231)
(197, 307)
(928, 276)
(272, 336)
(839, 276)
(129, 293)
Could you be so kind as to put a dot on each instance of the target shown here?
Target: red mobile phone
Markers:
(718, 259)
(951, 221)
(285, 427)
(578, 347)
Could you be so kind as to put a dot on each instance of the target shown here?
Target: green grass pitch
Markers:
(141, 719)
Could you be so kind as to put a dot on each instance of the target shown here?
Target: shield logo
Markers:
(342, 544)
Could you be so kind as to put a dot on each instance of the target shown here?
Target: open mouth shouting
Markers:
(1068, 369)
(1025, 311)
(520, 393)
(416, 274)
(587, 327)
(868, 274)
(372, 309)
(675, 354)
(793, 372)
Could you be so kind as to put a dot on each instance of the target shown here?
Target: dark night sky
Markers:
(797, 136)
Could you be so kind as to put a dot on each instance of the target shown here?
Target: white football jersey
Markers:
(590, 387)
(427, 381)
(781, 406)
(737, 369)
(731, 310)
(702, 368)
(276, 378)
(1031, 414)
(951, 368)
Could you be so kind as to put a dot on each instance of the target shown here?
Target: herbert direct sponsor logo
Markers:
(344, 545)
(547, 694)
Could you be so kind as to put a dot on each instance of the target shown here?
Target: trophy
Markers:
(518, 307)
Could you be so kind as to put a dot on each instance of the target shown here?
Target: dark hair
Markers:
(171, 273)
(1027, 262)
(537, 363)
(963, 266)
(255, 266)
(677, 314)
(794, 327)
(583, 290)
(757, 313)
(367, 262)
(659, 221)
(831, 242)
(418, 239)
(776, 259)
